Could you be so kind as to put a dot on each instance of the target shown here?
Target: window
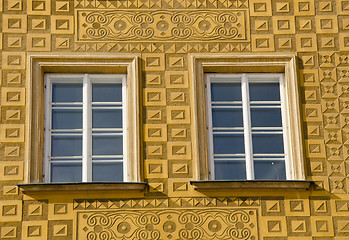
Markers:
(246, 126)
(243, 105)
(85, 112)
(85, 128)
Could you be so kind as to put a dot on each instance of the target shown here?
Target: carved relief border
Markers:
(170, 224)
(145, 26)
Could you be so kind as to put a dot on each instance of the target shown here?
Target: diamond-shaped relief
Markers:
(39, 7)
(178, 115)
(312, 112)
(14, 78)
(304, 7)
(60, 230)
(282, 7)
(344, 41)
(343, 7)
(153, 79)
(325, 6)
(12, 133)
(9, 232)
(14, 42)
(180, 168)
(298, 226)
(155, 97)
(261, 25)
(260, 8)
(11, 151)
(13, 115)
(327, 42)
(179, 150)
(154, 151)
(35, 210)
(315, 148)
(178, 133)
(38, 24)
(342, 227)
(154, 62)
(309, 77)
(15, 5)
(156, 187)
(176, 79)
(305, 24)
(10, 190)
(177, 97)
(10, 210)
(263, 43)
(338, 185)
(154, 115)
(326, 24)
(62, 24)
(14, 23)
(60, 209)
(34, 229)
(284, 25)
(285, 43)
(319, 207)
(180, 186)
(12, 60)
(317, 168)
(12, 170)
(306, 42)
(39, 42)
(62, 6)
(155, 132)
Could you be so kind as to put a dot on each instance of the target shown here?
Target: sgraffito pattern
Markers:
(144, 26)
(317, 31)
(174, 224)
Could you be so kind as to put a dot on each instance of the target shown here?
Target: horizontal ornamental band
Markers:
(168, 224)
(177, 25)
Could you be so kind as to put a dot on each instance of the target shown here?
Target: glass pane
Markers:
(66, 146)
(227, 170)
(107, 92)
(228, 144)
(66, 119)
(267, 143)
(107, 145)
(226, 91)
(273, 170)
(264, 91)
(67, 92)
(107, 172)
(103, 118)
(227, 117)
(266, 117)
(66, 172)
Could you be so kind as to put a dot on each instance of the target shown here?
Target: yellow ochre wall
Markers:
(316, 31)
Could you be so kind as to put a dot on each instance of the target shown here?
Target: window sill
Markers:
(251, 184)
(88, 186)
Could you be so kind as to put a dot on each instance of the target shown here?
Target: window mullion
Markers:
(247, 128)
(209, 128)
(47, 132)
(124, 130)
(86, 142)
(288, 168)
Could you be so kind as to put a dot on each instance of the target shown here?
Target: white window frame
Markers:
(245, 79)
(201, 64)
(88, 79)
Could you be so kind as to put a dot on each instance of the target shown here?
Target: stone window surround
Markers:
(206, 63)
(38, 65)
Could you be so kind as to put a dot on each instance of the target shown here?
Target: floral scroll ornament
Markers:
(158, 224)
(162, 25)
